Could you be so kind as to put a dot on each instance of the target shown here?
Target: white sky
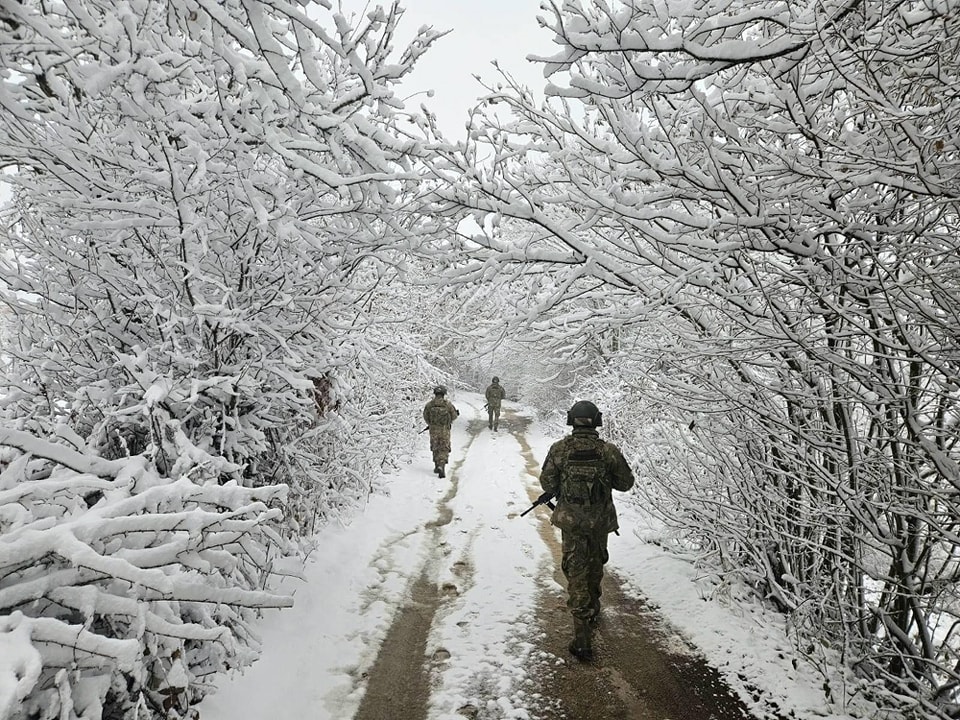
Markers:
(316, 653)
(481, 31)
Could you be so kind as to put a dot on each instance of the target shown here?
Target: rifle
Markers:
(424, 430)
(544, 499)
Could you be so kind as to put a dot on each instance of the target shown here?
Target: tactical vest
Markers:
(439, 414)
(582, 474)
(585, 503)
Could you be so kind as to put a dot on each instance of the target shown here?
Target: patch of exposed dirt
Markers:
(637, 672)
(398, 684)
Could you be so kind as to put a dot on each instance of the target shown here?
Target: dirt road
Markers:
(643, 670)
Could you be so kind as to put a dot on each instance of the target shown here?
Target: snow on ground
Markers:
(485, 564)
(484, 630)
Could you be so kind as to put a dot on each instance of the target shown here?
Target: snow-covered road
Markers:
(451, 542)
(439, 602)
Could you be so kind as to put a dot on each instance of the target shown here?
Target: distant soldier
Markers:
(581, 470)
(495, 394)
(439, 415)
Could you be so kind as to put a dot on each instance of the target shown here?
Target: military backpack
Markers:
(439, 414)
(582, 474)
(584, 503)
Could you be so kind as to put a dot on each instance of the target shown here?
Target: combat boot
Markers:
(582, 646)
(594, 619)
(440, 472)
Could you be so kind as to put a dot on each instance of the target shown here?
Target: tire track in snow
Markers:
(398, 682)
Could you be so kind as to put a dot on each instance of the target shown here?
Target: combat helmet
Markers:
(439, 390)
(496, 379)
(584, 414)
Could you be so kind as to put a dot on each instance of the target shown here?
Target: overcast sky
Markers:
(481, 31)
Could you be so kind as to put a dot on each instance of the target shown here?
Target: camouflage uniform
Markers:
(495, 394)
(584, 518)
(439, 415)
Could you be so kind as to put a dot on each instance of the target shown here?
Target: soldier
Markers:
(581, 470)
(439, 415)
(495, 394)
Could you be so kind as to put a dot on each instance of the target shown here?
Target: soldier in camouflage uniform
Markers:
(439, 415)
(495, 394)
(581, 470)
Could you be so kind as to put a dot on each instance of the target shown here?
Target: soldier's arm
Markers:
(550, 474)
(621, 476)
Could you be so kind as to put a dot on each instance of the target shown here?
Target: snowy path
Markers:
(318, 655)
(439, 603)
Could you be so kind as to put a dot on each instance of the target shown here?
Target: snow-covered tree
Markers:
(762, 201)
(214, 201)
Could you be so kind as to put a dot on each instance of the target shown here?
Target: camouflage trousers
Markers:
(584, 555)
(440, 444)
(493, 415)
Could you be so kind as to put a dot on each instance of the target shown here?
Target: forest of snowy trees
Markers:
(232, 267)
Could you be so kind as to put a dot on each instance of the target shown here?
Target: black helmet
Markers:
(439, 390)
(583, 410)
(496, 379)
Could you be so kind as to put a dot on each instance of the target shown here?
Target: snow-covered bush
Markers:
(121, 588)
(212, 212)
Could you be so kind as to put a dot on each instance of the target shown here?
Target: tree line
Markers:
(235, 257)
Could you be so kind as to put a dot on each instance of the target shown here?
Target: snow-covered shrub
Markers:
(121, 588)
(208, 205)
(211, 202)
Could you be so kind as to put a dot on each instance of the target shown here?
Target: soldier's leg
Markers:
(435, 449)
(598, 558)
(496, 417)
(443, 450)
(582, 565)
(490, 417)
(576, 564)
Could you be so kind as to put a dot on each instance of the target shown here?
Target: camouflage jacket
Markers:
(440, 412)
(495, 393)
(592, 511)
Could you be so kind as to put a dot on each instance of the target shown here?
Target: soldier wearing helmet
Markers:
(581, 470)
(495, 394)
(439, 415)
